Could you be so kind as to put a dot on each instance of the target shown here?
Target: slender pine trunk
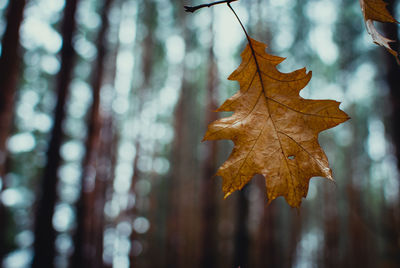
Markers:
(174, 211)
(241, 236)
(9, 70)
(393, 80)
(208, 186)
(107, 160)
(84, 250)
(132, 212)
(44, 250)
(266, 246)
(174, 234)
(331, 251)
(360, 254)
(9, 65)
(295, 236)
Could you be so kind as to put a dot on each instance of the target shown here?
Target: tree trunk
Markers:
(360, 253)
(183, 221)
(107, 157)
(132, 212)
(148, 18)
(9, 65)
(242, 234)
(267, 254)
(295, 236)
(331, 248)
(85, 251)
(174, 212)
(44, 250)
(183, 246)
(393, 81)
(208, 185)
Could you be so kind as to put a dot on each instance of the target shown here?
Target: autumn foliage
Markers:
(275, 131)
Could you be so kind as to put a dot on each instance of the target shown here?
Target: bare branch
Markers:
(195, 8)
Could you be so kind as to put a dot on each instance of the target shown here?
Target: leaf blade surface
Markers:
(275, 131)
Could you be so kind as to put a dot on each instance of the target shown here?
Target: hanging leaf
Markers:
(375, 10)
(275, 131)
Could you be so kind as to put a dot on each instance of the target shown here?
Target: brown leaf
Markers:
(275, 131)
(375, 10)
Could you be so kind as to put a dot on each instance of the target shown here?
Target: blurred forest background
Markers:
(103, 105)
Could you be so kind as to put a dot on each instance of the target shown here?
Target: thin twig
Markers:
(194, 8)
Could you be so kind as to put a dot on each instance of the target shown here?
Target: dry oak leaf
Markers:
(375, 10)
(274, 130)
